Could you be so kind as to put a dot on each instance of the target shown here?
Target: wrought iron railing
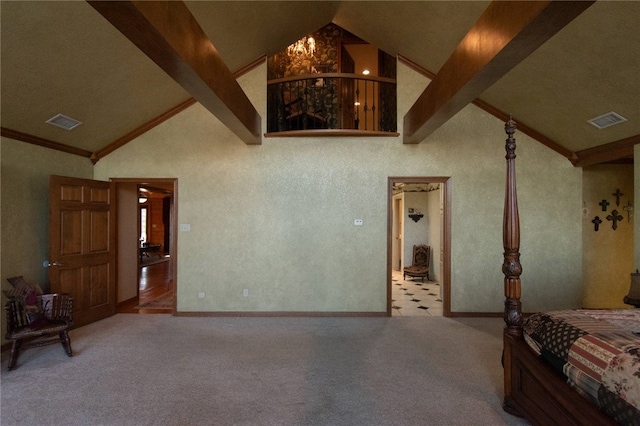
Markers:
(331, 101)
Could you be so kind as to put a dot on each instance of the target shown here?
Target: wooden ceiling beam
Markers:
(610, 152)
(504, 35)
(167, 33)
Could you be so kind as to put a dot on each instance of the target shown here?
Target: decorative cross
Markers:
(604, 204)
(615, 217)
(597, 223)
(628, 208)
(617, 194)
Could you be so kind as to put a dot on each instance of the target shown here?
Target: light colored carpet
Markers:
(163, 370)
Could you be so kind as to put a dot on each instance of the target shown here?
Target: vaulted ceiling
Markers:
(72, 58)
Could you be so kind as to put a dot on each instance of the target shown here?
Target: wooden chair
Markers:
(46, 323)
(420, 265)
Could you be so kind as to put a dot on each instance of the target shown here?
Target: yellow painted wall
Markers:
(24, 195)
(607, 253)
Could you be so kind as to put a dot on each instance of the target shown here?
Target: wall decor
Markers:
(628, 208)
(615, 217)
(604, 204)
(416, 217)
(617, 194)
(596, 222)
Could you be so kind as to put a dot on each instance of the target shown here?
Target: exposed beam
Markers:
(505, 34)
(35, 140)
(610, 152)
(501, 115)
(168, 34)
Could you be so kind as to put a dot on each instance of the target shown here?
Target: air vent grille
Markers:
(607, 120)
(64, 122)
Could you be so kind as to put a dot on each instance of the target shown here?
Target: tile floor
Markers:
(411, 297)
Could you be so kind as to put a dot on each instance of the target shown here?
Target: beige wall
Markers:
(277, 219)
(25, 171)
(608, 253)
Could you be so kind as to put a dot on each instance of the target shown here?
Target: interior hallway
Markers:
(412, 297)
(155, 281)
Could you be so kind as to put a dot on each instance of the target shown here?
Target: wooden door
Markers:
(82, 237)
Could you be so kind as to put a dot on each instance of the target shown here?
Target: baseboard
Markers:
(133, 300)
(278, 314)
(320, 314)
(476, 314)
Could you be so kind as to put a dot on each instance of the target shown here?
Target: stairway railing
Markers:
(331, 101)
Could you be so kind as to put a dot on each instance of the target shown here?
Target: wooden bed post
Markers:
(511, 240)
(511, 268)
(532, 389)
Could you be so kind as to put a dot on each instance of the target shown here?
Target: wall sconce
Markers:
(415, 215)
(306, 46)
(142, 199)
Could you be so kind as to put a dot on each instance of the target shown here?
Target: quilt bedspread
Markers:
(599, 353)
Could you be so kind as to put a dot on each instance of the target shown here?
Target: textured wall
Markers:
(277, 219)
(607, 253)
(24, 193)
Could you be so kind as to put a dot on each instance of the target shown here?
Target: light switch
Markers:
(185, 227)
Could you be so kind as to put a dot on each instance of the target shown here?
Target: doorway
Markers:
(147, 229)
(419, 213)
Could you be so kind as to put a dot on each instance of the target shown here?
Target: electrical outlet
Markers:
(358, 222)
(201, 295)
(245, 292)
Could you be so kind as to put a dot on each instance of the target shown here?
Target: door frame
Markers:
(445, 183)
(172, 185)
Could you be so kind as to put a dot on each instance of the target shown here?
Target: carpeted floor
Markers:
(164, 370)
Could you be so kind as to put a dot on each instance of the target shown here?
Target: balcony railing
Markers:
(331, 101)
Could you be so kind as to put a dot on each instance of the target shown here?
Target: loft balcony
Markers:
(331, 104)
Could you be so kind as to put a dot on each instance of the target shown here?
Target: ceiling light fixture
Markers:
(366, 72)
(306, 47)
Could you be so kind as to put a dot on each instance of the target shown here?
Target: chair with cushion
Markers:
(420, 265)
(44, 321)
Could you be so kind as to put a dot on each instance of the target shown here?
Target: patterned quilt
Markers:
(598, 351)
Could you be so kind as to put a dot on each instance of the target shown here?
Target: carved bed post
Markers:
(511, 268)
(511, 240)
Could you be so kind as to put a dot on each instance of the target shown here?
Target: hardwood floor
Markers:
(155, 281)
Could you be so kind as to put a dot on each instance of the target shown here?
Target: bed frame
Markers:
(532, 389)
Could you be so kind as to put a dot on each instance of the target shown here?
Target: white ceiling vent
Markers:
(607, 120)
(64, 122)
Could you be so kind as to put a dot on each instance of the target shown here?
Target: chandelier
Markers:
(306, 46)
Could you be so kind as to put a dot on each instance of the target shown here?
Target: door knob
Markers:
(48, 264)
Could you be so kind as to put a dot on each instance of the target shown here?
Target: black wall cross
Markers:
(596, 222)
(617, 194)
(604, 204)
(615, 217)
